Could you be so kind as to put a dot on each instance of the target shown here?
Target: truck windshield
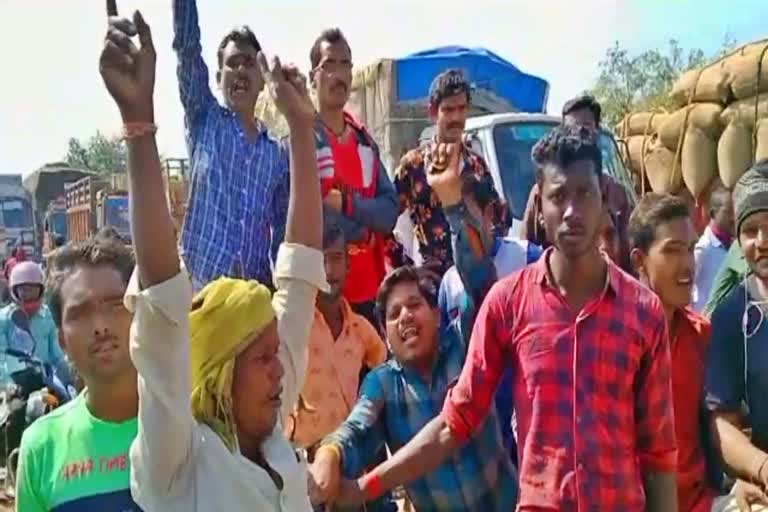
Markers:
(514, 141)
(117, 215)
(58, 223)
(16, 213)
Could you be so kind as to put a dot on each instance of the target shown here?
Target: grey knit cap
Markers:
(750, 195)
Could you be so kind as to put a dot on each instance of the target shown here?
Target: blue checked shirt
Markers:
(238, 199)
(395, 403)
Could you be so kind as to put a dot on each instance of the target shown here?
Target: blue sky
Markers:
(51, 90)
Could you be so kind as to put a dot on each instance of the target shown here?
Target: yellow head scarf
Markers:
(226, 315)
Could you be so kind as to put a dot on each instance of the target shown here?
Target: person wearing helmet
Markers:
(26, 324)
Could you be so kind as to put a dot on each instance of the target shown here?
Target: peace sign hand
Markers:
(288, 89)
(128, 71)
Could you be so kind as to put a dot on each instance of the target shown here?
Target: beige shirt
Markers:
(180, 465)
(333, 375)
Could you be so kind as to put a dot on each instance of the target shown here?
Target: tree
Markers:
(99, 154)
(629, 83)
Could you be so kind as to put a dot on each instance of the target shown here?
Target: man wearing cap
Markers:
(736, 373)
(585, 111)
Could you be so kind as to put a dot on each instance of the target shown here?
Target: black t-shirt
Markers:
(727, 385)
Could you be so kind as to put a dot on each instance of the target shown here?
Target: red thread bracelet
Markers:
(372, 486)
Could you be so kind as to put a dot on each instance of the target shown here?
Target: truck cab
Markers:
(505, 142)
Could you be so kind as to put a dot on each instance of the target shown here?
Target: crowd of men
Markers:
(285, 357)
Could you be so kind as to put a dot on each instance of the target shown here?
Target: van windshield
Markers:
(514, 141)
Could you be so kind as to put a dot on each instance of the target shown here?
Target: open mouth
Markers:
(239, 86)
(409, 334)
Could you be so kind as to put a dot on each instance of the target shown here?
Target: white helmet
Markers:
(25, 272)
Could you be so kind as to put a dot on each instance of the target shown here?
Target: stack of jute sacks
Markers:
(719, 129)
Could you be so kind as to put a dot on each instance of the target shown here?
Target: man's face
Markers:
(669, 267)
(582, 117)
(753, 237)
(609, 239)
(257, 385)
(95, 324)
(411, 325)
(724, 218)
(333, 75)
(335, 270)
(572, 207)
(239, 78)
(450, 117)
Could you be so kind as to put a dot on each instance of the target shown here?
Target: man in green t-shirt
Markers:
(76, 458)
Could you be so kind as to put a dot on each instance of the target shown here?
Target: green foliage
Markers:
(633, 83)
(99, 154)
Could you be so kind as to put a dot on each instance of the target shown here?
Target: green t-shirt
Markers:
(71, 461)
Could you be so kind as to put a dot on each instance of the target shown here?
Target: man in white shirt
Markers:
(213, 440)
(712, 247)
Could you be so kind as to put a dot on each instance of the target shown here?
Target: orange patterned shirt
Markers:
(333, 375)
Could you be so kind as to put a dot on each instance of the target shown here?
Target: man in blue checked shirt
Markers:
(239, 183)
(401, 396)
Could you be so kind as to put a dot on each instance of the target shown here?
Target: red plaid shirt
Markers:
(592, 390)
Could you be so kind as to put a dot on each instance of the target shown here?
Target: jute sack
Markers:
(734, 153)
(761, 149)
(744, 110)
(704, 116)
(745, 80)
(635, 150)
(640, 123)
(698, 161)
(712, 86)
(659, 162)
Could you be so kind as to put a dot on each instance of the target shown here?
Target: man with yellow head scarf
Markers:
(215, 374)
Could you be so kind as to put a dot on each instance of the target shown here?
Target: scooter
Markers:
(35, 392)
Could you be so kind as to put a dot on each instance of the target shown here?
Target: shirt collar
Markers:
(542, 276)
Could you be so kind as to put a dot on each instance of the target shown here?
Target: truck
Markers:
(95, 202)
(49, 206)
(16, 212)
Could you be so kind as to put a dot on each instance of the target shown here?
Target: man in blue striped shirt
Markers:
(239, 183)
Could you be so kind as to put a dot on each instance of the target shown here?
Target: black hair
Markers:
(332, 233)
(718, 199)
(428, 283)
(242, 35)
(584, 101)
(448, 83)
(94, 252)
(564, 145)
(330, 36)
(652, 211)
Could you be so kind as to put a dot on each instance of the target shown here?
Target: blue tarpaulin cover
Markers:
(485, 70)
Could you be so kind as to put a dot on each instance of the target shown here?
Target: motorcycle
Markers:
(35, 391)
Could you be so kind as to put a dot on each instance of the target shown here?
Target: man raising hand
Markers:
(213, 440)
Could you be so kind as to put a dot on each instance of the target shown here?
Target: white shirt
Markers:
(512, 255)
(710, 254)
(179, 465)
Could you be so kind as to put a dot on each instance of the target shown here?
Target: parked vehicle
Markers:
(95, 202)
(46, 188)
(16, 210)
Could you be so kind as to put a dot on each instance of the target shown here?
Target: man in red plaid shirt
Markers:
(590, 357)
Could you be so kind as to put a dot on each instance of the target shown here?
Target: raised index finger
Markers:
(111, 7)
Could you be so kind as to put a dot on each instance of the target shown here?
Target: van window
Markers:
(514, 141)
